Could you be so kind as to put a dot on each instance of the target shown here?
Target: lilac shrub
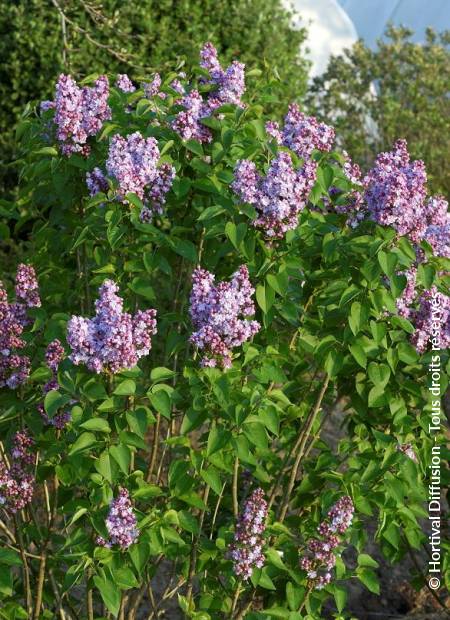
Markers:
(293, 293)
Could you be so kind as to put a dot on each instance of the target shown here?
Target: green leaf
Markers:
(161, 374)
(161, 402)
(359, 314)
(340, 596)
(407, 353)
(377, 397)
(212, 478)
(369, 579)
(147, 491)
(54, 400)
(265, 296)
(358, 353)
(109, 591)
(84, 442)
(379, 374)
(366, 560)
(236, 234)
(106, 467)
(142, 287)
(9, 557)
(194, 147)
(388, 262)
(96, 424)
(186, 249)
(334, 362)
(126, 388)
(122, 455)
(218, 437)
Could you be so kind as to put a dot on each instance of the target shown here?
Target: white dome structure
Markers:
(334, 25)
(329, 29)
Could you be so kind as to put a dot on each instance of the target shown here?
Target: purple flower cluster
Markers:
(54, 355)
(152, 89)
(246, 551)
(404, 303)
(16, 477)
(80, 112)
(278, 197)
(124, 83)
(302, 134)
(432, 316)
(113, 339)
(121, 523)
(133, 162)
(96, 181)
(14, 367)
(229, 84)
(216, 310)
(408, 450)
(228, 87)
(320, 555)
(395, 191)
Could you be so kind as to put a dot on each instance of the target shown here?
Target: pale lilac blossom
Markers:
(246, 551)
(219, 314)
(113, 339)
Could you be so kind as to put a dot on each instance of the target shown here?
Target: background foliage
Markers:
(119, 36)
(399, 90)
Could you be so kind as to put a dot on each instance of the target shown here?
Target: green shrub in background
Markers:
(411, 82)
(132, 36)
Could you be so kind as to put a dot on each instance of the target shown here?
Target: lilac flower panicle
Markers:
(113, 339)
(278, 197)
(80, 112)
(219, 312)
(439, 239)
(151, 89)
(121, 523)
(246, 551)
(320, 556)
(17, 478)
(301, 133)
(14, 366)
(54, 354)
(228, 87)
(27, 289)
(427, 316)
(96, 181)
(395, 191)
(133, 162)
(124, 83)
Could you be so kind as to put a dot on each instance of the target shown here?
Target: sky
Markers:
(334, 25)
